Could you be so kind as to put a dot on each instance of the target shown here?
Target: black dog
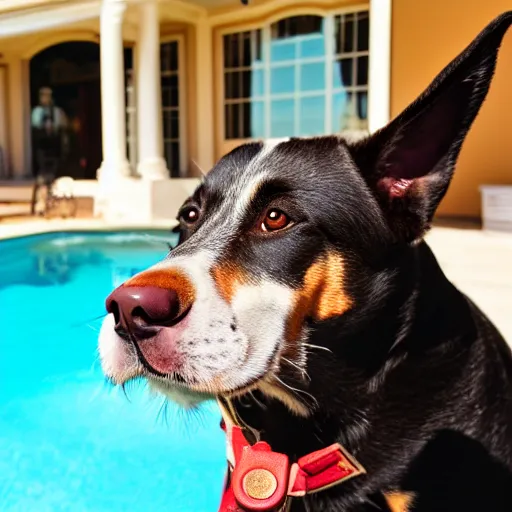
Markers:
(301, 293)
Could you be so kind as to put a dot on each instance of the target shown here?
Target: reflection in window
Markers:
(297, 67)
(312, 115)
(282, 117)
(282, 80)
(303, 75)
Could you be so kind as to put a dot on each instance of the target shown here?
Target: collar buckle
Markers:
(260, 478)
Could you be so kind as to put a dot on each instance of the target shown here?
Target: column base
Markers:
(143, 201)
(108, 176)
(153, 169)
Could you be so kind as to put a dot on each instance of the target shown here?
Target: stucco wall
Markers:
(426, 35)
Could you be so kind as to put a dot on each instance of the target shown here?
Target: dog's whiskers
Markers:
(87, 323)
(92, 327)
(199, 168)
(195, 414)
(296, 391)
(257, 401)
(318, 347)
(123, 387)
(163, 413)
(301, 370)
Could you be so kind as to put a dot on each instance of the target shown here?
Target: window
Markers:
(170, 82)
(131, 119)
(131, 108)
(300, 76)
(350, 75)
(243, 85)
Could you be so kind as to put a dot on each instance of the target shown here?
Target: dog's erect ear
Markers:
(409, 163)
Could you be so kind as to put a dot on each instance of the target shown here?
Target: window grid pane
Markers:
(170, 85)
(350, 77)
(243, 83)
(283, 83)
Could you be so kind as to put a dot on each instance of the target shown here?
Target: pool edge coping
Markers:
(39, 227)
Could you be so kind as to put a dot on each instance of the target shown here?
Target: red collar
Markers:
(260, 479)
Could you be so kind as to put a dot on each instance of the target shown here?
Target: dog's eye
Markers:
(189, 214)
(275, 220)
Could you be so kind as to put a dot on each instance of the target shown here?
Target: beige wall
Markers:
(4, 131)
(14, 111)
(426, 35)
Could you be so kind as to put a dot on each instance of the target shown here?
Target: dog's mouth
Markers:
(195, 384)
(163, 359)
(189, 392)
(155, 357)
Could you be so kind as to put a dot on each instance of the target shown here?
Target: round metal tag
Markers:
(259, 484)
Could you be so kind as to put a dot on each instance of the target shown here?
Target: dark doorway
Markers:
(66, 110)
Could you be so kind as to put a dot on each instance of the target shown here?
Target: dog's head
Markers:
(283, 237)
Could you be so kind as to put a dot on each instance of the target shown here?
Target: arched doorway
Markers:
(66, 110)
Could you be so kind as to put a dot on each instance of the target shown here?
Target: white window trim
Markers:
(379, 65)
(329, 50)
(182, 101)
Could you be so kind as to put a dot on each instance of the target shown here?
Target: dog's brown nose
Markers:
(139, 310)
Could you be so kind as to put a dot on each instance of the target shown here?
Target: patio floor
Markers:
(479, 263)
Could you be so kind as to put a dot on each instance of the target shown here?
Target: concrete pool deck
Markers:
(478, 262)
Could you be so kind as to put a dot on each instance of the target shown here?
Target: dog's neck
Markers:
(346, 382)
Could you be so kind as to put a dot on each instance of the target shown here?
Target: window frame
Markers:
(182, 101)
(264, 25)
(131, 116)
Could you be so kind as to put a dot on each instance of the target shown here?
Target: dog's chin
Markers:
(178, 393)
(190, 395)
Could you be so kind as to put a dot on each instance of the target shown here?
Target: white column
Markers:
(204, 127)
(151, 166)
(113, 111)
(380, 64)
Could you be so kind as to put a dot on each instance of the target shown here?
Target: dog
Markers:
(302, 295)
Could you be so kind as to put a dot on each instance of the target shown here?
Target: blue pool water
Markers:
(68, 441)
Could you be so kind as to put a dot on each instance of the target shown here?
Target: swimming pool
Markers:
(69, 441)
